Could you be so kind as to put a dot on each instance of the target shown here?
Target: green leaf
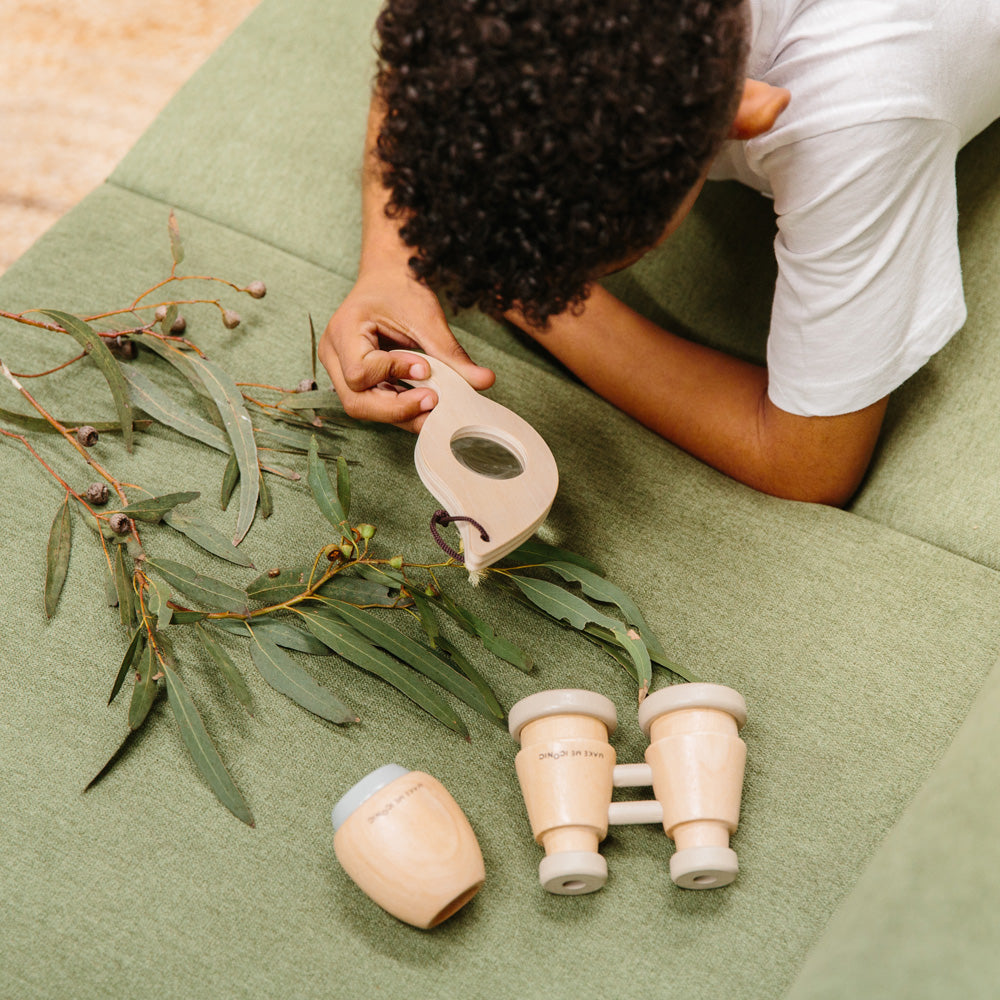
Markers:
(464, 664)
(229, 402)
(315, 399)
(135, 648)
(276, 588)
(153, 508)
(353, 589)
(296, 442)
(39, 425)
(129, 736)
(474, 625)
(280, 633)
(123, 585)
(226, 667)
(145, 690)
(178, 358)
(209, 538)
(425, 661)
(176, 247)
(599, 589)
(147, 396)
(92, 343)
(536, 552)
(381, 574)
(264, 499)
(287, 677)
(323, 492)
(312, 345)
(187, 617)
(203, 589)
(342, 639)
(564, 606)
(57, 556)
(156, 603)
(202, 749)
(344, 486)
(168, 321)
(229, 480)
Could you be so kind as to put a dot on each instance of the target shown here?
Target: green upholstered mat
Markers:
(859, 651)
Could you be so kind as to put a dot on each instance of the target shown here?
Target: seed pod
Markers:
(366, 531)
(97, 494)
(87, 435)
(257, 289)
(346, 550)
(121, 524)
(230, 319)
(179, 325)
(123, 347)
(161, 314)
(396, 562)
(307, 385)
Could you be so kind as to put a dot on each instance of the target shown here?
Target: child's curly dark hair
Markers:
(528, 145)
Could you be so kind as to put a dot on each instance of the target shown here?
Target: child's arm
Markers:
(710, 404)
(387, 303)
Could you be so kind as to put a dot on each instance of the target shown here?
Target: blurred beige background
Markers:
(79, 81)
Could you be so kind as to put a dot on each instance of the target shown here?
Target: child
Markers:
(517, 151)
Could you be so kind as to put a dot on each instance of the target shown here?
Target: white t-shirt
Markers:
(861, 167)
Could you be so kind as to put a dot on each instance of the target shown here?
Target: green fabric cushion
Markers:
(834, 628)
(923, 921)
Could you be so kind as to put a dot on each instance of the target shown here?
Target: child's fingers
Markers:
(440, 343)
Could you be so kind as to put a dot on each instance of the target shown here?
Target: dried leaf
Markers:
(176, 247)
(145, 690)
(209, 538)
(150, 398)
(135, 648)
(287, 677)
(425, 661)
(226, 667)
(349, 644)
(535, 552)
(229, 480)
(57, 556)
(153, 508)
(203, 589)
(323, 492)
(564, 606)
(202, 749)
(89, 340)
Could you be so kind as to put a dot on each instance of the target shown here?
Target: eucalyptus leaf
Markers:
(278, 632)
(344, 640)
(156, 603)
(134, 650)
(312, 345)
(153, 508)
(226, 667)
(129, 736)
(536, 552)
(475, 625)
(345, 586)
(323, 492)
(57, 556)
(202, 749)
(178, 358)
(176, 246)
(145, 690)
(94, 345)
(151, 399)
(463, 663)
(564, 606)
(123, 585)
(207, 537)
(425, 661)
(187, 617)
(295, 441)
(287, 677)
(168, 321)
(203, 589)
(264, 499)
(39, 425)
(315, 399)
(230, 478)
(344, 485)
(277, 587)
(385, 575)
(229, 402)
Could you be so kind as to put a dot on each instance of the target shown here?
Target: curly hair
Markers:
(528, 145)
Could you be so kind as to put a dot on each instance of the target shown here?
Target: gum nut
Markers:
(179, 325)
(97, 493)
(160, 314)
(257, 289)
(307, 385)
(121, 524)
(230, 319)
(87, 435)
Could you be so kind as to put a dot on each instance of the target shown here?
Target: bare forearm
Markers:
(712, 405)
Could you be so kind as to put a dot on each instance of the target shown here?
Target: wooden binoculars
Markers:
(694, 763)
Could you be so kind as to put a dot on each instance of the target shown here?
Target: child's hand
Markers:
(386, 306)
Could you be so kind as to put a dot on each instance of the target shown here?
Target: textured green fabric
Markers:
(859, 647)
(924, 922)
(834, 628)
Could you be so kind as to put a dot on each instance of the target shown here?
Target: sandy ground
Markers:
(79, 82)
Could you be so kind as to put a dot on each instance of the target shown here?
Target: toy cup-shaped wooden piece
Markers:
(697, 760)
(565, 769)
(403, 839)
